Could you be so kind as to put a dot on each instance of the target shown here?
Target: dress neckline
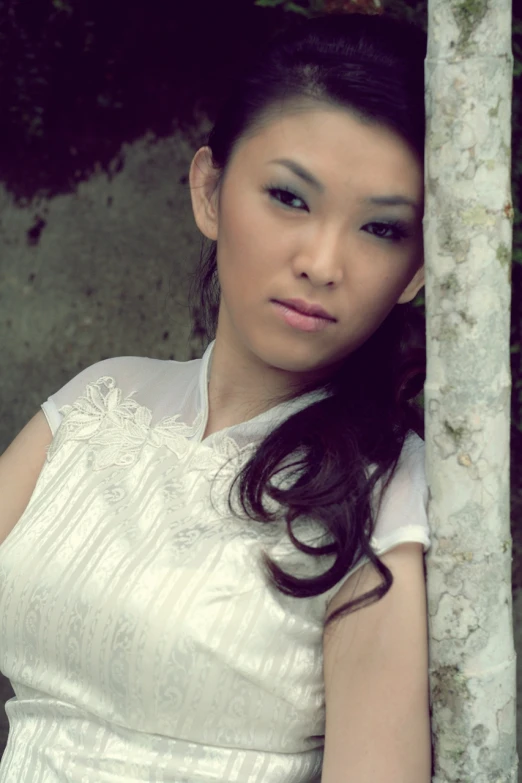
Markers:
(119, 426)
(252, 429)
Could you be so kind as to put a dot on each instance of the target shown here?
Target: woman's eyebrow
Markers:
(301, 172)
(394, 200)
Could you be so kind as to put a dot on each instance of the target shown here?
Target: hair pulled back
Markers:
(372, 66)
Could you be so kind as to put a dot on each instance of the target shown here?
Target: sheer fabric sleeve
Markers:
(403, 513)
(127, 370)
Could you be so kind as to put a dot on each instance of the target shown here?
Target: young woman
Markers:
(190, 581)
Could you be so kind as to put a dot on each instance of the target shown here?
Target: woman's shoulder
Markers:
(403, 511)
(146, 379)
(413, 452)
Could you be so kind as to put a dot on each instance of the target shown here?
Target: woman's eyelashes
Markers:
(394, 231)
(284, 196)
(391, 231)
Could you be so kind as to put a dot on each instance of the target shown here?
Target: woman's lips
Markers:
(307, 308)
(305, 323)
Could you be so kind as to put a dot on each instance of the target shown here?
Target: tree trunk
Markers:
(468, 228)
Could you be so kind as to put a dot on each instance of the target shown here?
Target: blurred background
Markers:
(102, 106)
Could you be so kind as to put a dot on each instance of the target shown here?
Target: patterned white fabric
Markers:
(140, 635)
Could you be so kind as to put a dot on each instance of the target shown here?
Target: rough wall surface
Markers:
(97, 273)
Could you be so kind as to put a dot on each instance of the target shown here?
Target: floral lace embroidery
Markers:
(121, 428)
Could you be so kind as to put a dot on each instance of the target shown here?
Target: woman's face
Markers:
(317, 207)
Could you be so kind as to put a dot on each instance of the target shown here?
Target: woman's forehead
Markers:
(332, 144)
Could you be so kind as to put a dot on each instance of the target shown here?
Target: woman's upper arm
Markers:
(376, 678)
(20, 466)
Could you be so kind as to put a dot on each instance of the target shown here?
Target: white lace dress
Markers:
(139, 633)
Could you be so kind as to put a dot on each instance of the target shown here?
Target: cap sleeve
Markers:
(125, 370)
(403, 513)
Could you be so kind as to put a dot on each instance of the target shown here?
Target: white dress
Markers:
(139, 633)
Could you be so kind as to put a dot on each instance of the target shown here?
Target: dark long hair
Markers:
(373, 67)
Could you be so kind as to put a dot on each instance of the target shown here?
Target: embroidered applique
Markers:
(119, 427)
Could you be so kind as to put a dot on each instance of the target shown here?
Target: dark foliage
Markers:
(77, 79)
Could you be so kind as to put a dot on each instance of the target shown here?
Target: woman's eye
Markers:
(287, 198)
(393, 232)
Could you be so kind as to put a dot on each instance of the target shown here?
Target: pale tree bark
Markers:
(468, 228)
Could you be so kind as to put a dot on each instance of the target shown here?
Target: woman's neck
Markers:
(241, 386)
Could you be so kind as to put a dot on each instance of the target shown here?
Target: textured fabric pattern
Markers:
(140, 635)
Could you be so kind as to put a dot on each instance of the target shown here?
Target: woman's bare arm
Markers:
(20, 466)
(376, 678)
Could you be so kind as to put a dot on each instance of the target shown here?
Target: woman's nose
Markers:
(320, 262)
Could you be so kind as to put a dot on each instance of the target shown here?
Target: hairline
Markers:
(299, 103)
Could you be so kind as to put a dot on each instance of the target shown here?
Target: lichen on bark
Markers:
(468, 234)
(468, 15)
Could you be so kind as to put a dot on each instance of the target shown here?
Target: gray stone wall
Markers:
(100, 272)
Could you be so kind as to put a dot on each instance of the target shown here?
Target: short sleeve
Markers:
(403, 513)
(126, 370)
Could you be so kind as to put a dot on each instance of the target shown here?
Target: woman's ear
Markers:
(203, 180)
(413, 287)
